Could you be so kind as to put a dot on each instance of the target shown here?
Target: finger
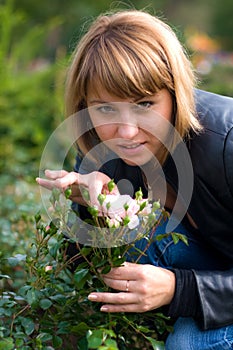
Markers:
(128, 271)
(117, 302)
(122, 285)
(67, 180)
(120, 298)
(60, 183)
(45, 183)
(55, 174)
(121, 308)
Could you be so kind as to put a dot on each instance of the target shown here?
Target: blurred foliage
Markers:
(36, 39)
(30, 94)
(219, 80)
(209, 15)
(221, 22)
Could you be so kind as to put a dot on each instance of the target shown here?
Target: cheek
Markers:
(106, 132)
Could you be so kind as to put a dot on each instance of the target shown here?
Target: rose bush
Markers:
(50, 309)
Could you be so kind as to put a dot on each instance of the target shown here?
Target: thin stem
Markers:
(16, 315)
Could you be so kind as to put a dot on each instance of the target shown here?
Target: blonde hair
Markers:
(131, 54)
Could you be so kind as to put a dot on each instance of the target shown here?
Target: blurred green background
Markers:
(36, 40)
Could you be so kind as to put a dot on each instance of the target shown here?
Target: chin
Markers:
(137, 162)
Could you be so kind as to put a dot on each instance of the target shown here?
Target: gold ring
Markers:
(127, 286)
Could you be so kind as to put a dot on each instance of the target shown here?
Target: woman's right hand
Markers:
(95, 182)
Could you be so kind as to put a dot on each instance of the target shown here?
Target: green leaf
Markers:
(161, 236)
(157, 345)
(184, 239)
(106, 269)
(19, 343)
(45, 304)
(175, 238)
(54, 250)
(118, 262)
(37, 218)
(28, 325)
(57, 342)
(95, 338)
(82, 344)
(58, 298)
(80, 329)
(63, 327)
(85, 251)
(111, 343)
(6, 344)
(44, 337)
(32, 296)
(179, 237)
(143, 205)
(80, 277)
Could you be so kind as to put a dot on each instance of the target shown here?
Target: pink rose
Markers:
(119, 206)
(147, 209)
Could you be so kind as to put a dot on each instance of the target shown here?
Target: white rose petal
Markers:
(134, 222)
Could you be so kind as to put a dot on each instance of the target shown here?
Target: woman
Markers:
(133, 87)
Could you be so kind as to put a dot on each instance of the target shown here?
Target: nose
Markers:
(128, 126)
(127, 130)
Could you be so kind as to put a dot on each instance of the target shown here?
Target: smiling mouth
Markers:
(132, 146)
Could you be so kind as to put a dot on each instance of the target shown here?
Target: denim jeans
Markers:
(164, 253)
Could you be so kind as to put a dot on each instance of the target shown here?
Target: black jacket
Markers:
(211, 206)
(212, 203)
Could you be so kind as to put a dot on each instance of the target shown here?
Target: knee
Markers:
(179, 339)
(187, 335)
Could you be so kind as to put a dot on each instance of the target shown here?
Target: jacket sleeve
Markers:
(215, 290)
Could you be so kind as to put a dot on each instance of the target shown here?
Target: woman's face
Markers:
(134, 129)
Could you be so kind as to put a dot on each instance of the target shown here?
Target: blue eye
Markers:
(145, 104)
(105, 109)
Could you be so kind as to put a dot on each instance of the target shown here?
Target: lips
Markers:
(131, 150)
(132, 145)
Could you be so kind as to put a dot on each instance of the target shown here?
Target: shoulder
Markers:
(214, 111)
(212, 150)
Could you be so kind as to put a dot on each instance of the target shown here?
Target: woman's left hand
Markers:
(142, 288)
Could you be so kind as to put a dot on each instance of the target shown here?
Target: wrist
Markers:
(170, 287)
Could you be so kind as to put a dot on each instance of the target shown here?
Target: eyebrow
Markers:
(98, 101)
(102, 101)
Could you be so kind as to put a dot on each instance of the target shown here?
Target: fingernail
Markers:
(92, 297)
(104, 308)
